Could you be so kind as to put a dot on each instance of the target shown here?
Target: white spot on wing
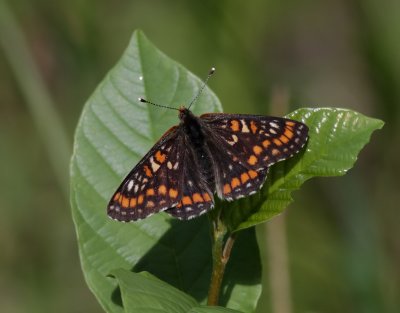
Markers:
(234, 138)
(245, 129)
(130, 185)
(155, 166)
(273, 124)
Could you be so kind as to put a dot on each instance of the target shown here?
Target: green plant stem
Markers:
(221, 252)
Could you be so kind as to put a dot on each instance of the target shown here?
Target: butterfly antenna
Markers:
(157, 105)
(210, 73)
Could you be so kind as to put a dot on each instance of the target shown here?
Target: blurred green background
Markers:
(336, 249)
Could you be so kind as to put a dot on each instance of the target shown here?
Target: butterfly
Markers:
(227, 155)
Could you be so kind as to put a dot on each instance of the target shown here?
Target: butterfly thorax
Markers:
(191, 127)
(193, 130)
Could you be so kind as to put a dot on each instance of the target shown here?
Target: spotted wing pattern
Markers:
(245, 146)
(227, 154)
(197, 198)
(154, 184)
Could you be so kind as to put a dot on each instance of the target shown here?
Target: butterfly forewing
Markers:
(245, 146)
(153, 185)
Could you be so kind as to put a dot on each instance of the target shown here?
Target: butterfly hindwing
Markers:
(154, 183)
(197, 198)
(245, 146)
(195, 201)
(234, 179)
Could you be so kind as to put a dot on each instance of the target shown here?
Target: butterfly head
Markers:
(183, 113)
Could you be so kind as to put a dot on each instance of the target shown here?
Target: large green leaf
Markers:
(336, 138)
(114, 132)
(145, 293)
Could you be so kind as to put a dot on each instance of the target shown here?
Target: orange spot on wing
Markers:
(227, 189)
(275, 152)
(266, 143)
(116, 197)
(235, 182)
(253, 174)
(125, 202)
(160, 157)
(149, 204)
(253, 127)
(289, 123)
(288, 133)
(235, 125)
(140, 199)
(244, 177)
(197, 198)
(206, 196)
(173, 193)
(252, 160)
(257, 150)
(277, 142)
(147, 171)
(150, 192)
(187, 200)
(284, 139)
(162, 190)
(133, 202)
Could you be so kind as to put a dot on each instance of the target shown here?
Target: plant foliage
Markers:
(116, 130)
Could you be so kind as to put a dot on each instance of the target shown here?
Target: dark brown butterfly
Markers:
(217, 153)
